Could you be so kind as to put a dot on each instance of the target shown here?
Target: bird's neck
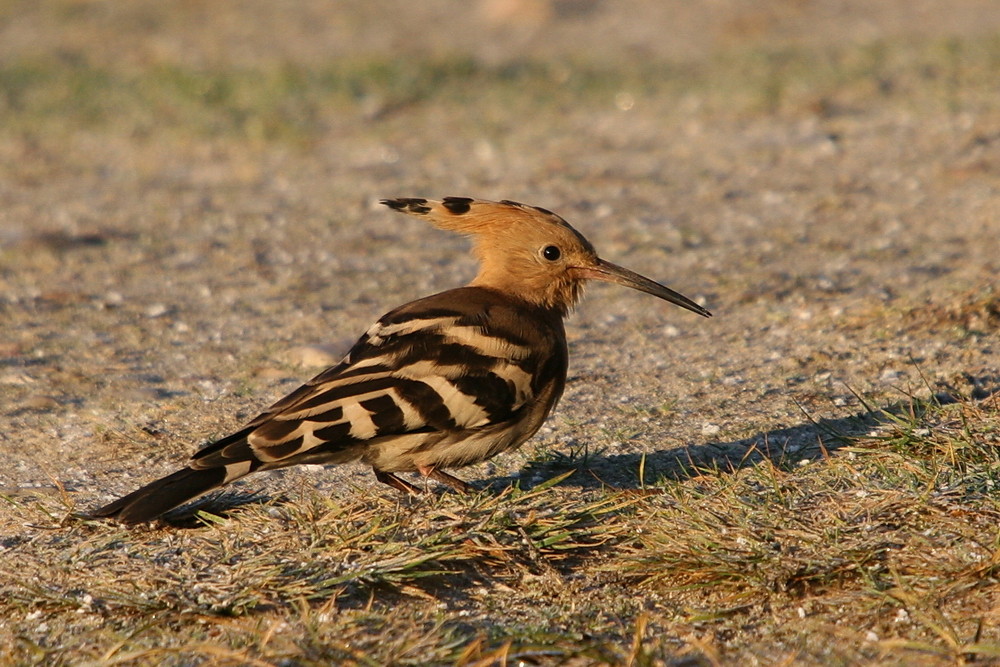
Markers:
(541, 293)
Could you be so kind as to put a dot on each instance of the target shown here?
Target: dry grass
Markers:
(312, 559)
(974, 314)
(886, 546)
(890, 544)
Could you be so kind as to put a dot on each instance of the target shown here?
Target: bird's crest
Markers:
(466, 215)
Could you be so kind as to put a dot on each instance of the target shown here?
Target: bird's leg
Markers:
(396, 483)
(440, 476)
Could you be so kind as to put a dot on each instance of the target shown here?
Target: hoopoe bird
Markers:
(439, 383)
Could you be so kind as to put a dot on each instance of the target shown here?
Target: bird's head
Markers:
(531, 253)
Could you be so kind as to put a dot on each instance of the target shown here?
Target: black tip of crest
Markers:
(411, 204)
(457, 205)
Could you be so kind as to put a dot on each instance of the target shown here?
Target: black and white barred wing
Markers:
(415, 370)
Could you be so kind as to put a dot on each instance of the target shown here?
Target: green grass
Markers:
(296, 105)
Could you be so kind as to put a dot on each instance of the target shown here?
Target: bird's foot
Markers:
(449, 480)
(397, 483)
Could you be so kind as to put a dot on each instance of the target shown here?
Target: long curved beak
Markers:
(612, 273)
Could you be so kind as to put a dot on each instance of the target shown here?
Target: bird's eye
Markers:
(551, 253)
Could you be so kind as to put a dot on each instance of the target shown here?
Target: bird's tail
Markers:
(163, 495)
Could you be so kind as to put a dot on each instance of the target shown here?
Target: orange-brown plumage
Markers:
(442, 382)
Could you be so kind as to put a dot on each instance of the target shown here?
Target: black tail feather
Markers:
(163, 495)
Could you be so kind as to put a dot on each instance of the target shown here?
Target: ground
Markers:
(189, 228)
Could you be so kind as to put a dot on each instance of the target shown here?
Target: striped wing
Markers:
(447, 363)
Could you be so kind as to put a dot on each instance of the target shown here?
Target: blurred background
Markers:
(188, 194)
(495, 96)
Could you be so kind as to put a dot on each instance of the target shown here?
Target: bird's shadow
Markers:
(813, 439)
